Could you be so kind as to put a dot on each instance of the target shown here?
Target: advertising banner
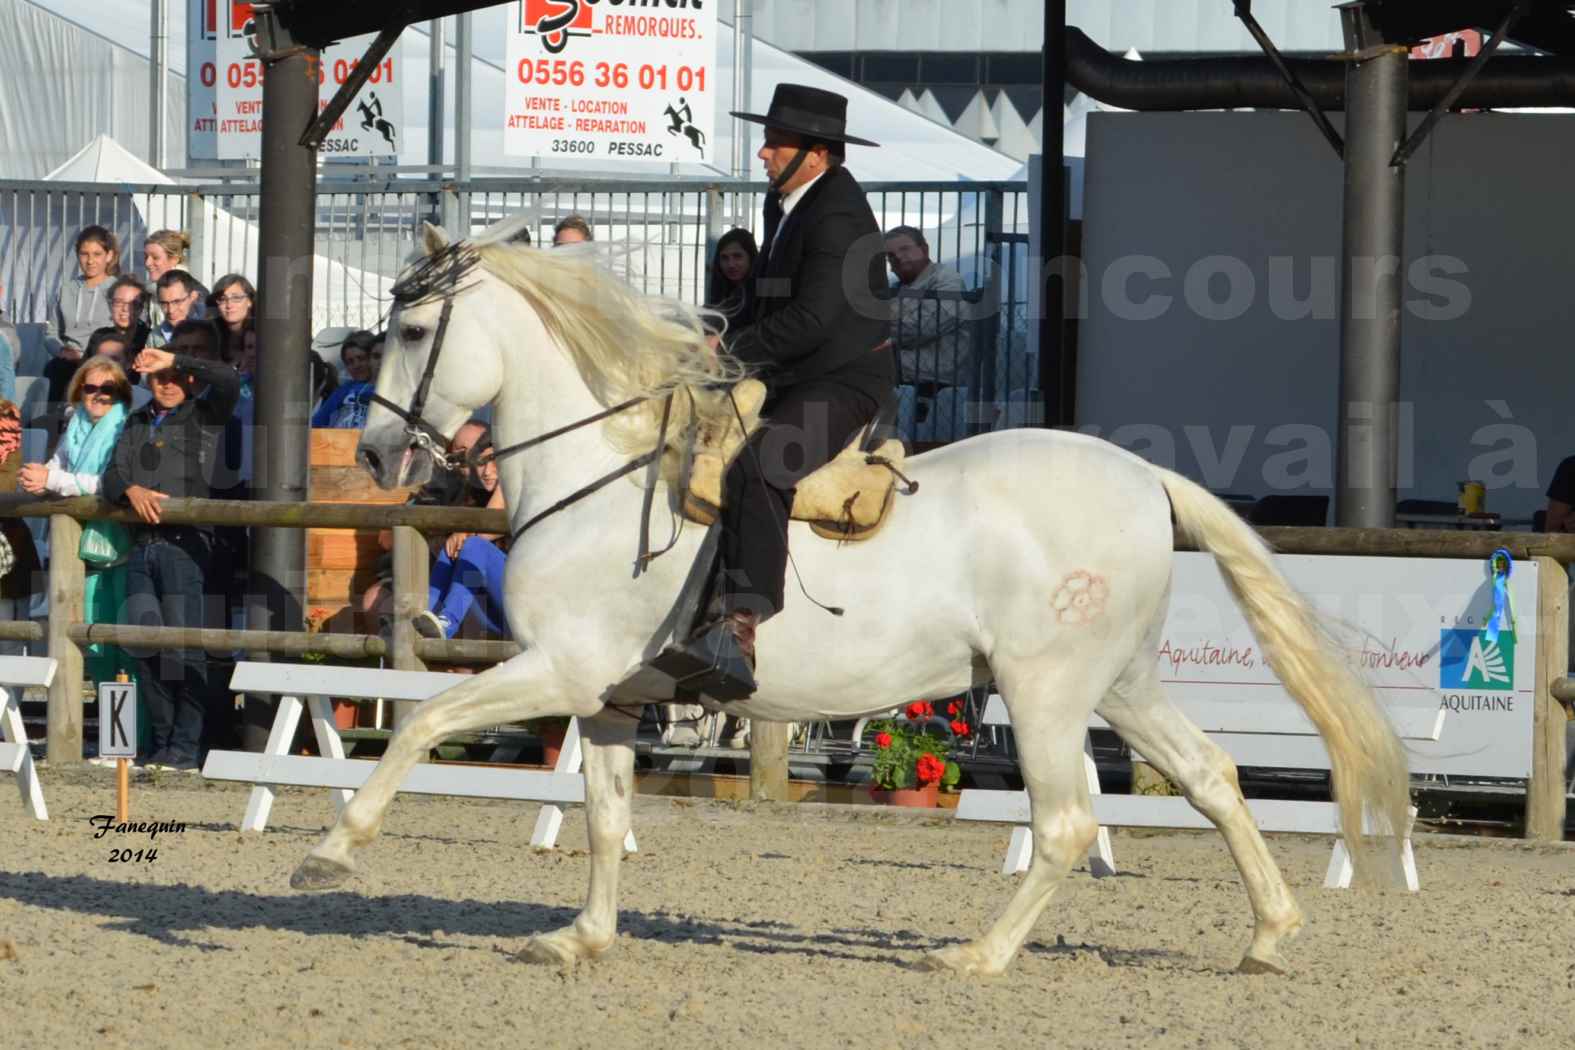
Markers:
(1414, 628)
(611, 80)
(224, 96)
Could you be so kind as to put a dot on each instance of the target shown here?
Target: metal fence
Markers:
(662, 234)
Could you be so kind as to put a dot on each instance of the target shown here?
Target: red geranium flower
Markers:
(920, 709)
(882, 739)
(960, 728)
(953, 709)
(929, 769)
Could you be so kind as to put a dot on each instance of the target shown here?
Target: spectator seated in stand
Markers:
(571, 230)
(10, 354)
(128, 302)
(931, 336)
(99, 400)
(80, 306)
(347, 406)
(19, 561)
(165, 251)
(178, 296)
(1560, 515)
(465, 595)
(729, 292)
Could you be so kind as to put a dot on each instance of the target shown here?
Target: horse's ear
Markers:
(433, 238)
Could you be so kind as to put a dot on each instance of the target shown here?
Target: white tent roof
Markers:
(37, 249)
(105, 160)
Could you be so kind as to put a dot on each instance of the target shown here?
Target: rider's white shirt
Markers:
(791, 200)
(788, 204)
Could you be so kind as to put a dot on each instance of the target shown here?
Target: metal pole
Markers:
(743, 38)
(436, 110)
(287, 221)
(462, 71)
(1052, 215)
(1372, 260)
(158, 68)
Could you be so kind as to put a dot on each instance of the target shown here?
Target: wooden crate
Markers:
(341, 563)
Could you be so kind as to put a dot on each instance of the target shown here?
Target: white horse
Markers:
(1038, 559)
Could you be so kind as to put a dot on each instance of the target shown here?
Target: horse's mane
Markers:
(623, 343)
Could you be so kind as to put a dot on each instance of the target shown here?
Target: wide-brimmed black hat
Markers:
(821, 116)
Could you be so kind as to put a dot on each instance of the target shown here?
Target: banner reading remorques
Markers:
(611, 79)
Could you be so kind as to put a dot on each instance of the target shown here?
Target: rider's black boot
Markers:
(718, 660)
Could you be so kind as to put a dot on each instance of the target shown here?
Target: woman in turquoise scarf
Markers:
(99, 396)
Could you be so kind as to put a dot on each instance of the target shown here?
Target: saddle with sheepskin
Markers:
(847, 499)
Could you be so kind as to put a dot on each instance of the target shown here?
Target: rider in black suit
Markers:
(812, 336)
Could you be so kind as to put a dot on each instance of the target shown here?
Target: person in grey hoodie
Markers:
(81, 306)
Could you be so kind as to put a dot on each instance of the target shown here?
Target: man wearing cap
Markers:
(814, 337)
(168, 450)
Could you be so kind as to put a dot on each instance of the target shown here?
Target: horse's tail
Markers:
(1366, 759)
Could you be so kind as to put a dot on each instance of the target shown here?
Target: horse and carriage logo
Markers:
(555, 21)
(233, 18)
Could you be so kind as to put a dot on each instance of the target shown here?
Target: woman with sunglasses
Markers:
(99, 399)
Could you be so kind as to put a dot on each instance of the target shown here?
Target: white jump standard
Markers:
(18, 673)
(1252, 734)
(276, 767)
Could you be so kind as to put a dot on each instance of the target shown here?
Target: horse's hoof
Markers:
(956, 959)
(1275, 964)
(318, 873)
(549, 951)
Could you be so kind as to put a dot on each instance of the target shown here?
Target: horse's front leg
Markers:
(520, 688)
(608, 742)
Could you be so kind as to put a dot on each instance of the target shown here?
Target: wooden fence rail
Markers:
(406, 651)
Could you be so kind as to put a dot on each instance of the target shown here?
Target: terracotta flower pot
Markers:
(927, 797)
(551, 738)
(346, 714)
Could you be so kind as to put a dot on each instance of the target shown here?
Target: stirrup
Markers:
(712, 663)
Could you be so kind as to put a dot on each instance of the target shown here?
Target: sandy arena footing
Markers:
(788, 926)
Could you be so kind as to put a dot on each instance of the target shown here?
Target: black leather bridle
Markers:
(424, 435)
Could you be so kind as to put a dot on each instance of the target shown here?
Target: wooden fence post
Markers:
(1545, 790)
(768, 764)
(66, 581)
(412, 574)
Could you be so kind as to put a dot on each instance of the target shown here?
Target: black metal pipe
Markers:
(1372, 260)
(287, 222)
(1252, 82)
(1052, 219)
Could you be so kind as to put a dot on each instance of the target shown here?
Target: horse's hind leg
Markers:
(1049, 717)
(1137, 708)
(608, 743)
(523, 687)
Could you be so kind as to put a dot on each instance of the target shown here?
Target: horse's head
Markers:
(440, 364)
